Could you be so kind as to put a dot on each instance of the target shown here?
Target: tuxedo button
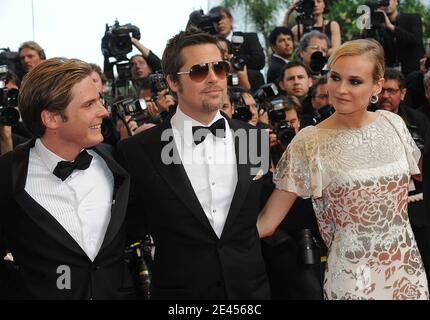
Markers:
(218, 284)
(95, 268)
(220, 246)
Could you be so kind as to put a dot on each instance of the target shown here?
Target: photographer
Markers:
(293, 253)
(311, 43)
(390, 99)
(311, 17)
(248, 46)
(31, 54)
(281, 41)
(12, 131)
(400, 34)
(238, 76)
(142, 65)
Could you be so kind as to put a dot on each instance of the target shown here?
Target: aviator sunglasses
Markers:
(199, 72)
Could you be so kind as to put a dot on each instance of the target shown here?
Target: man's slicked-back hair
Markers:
(173, 60)
(49, 87)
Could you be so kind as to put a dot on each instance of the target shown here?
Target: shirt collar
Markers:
(278, 56)
(49, 158)
(184, 124)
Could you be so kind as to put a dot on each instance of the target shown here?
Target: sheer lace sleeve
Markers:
(299, 170)
(413, 154)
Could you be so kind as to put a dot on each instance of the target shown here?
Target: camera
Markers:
(12, 61)
(377, 18)
(117, 42)
(305, 10)
(283, 129)
(317, 63)
(237, 62)
(266, 92)
(8, 101)
(136, 108)
(207, 23)
(158, 83)
(139, 258)
(323, 113)
(241, 110)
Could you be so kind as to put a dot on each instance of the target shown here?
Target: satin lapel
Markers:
(120, 196)
(175, 175)
(244, 178)
(33, 209)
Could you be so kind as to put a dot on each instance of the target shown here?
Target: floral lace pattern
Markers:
(358, 180)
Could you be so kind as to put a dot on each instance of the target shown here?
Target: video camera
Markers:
(305, 17)
(117, 42)
(207, 23)
(12, 61)
(8, 101)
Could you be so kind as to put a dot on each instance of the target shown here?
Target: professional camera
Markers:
(266, 92)
(8, 101)
(241, 110)
(237, 62)
(317, 63)
(305, 17)
(117, 42)
(283, 129)
(139, 258)
(158, 83)
(12, 61)
(136, 108)
(207, 23)
(377, 18)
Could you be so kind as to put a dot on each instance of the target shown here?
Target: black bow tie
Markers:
(217, 129)
(65, 168)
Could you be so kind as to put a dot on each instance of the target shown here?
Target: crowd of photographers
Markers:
(292, 95)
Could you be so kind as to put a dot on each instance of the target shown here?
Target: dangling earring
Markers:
(374, 99)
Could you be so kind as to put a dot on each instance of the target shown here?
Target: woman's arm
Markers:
(275, 210)
(336, 38)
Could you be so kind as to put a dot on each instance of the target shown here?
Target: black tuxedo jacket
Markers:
(191, 262)
(274, 73)
(40, 245)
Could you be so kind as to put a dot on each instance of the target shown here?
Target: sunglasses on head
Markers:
(199, 72)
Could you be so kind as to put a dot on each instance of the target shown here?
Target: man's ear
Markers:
(174, 86)
(51, 120)
(281, 84)
(403, 93)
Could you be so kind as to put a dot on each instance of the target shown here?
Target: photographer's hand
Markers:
(387, 23)
(121, 127)
(263, 117)
(243, 79)
(6, 143)
(164, 100)
(139, 46)
(290, 9)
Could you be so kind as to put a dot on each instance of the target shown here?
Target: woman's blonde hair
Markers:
(371, 47)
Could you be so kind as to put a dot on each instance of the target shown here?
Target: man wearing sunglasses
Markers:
(201, 208)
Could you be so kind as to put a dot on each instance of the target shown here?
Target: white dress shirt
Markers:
(210, 166)
(81, 204)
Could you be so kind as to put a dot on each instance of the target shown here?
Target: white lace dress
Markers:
(358, 180)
